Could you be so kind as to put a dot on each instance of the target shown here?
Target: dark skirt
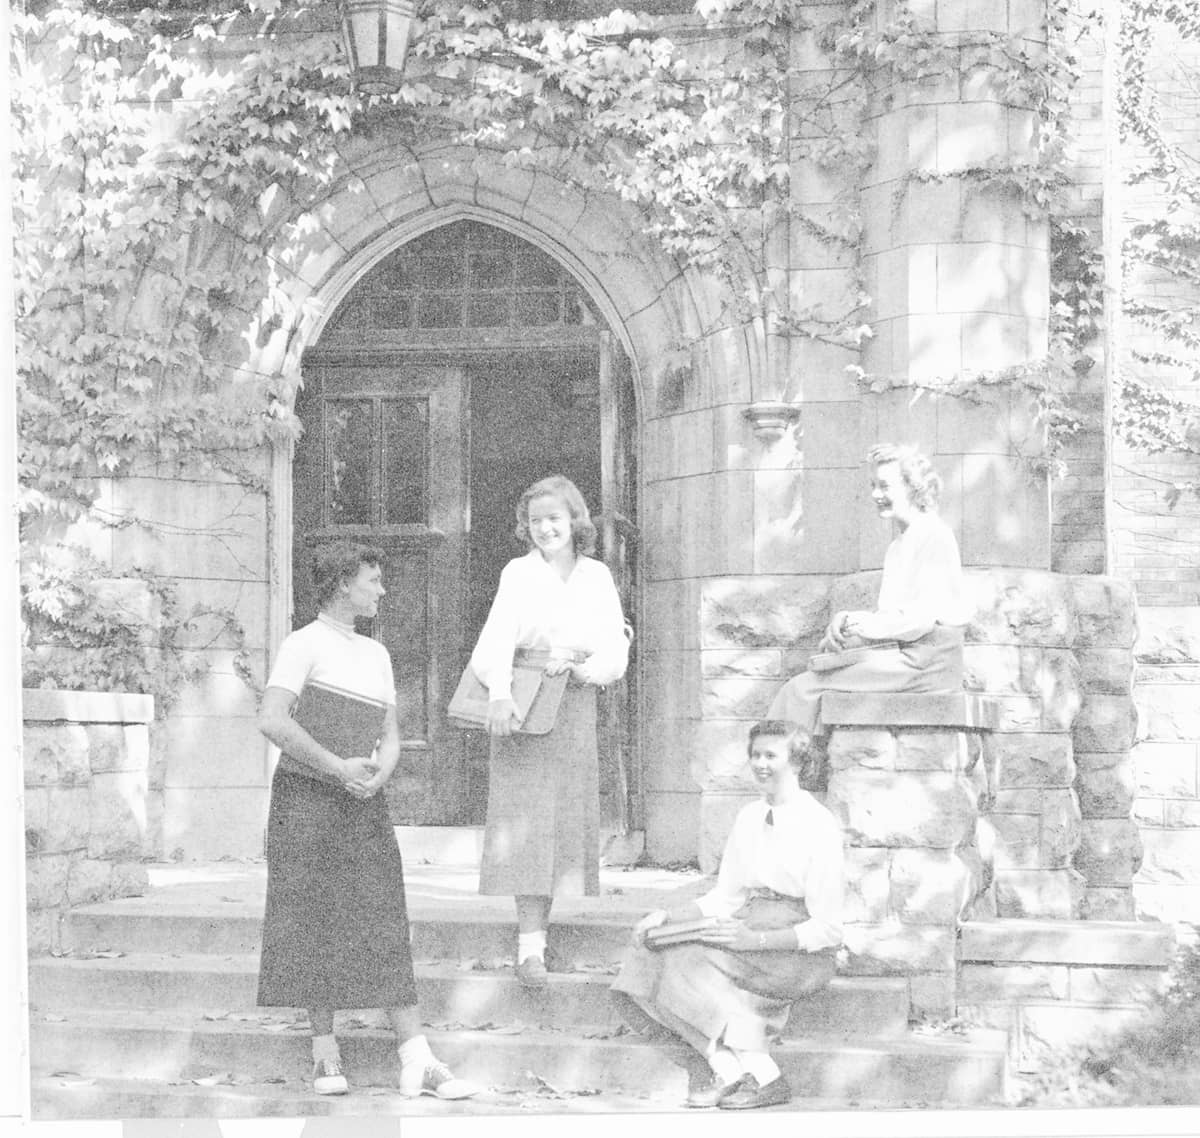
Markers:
(542, 837)
(335, 934)
(703, 993)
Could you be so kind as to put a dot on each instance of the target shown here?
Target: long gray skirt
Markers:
(704, 994)
(542, 837)
(335, 933)
(933, 663)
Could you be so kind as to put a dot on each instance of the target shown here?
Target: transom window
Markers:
(465, 275)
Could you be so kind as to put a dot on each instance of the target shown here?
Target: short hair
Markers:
(798, 739)
(337, 563)
(583, 529)
(917, 472)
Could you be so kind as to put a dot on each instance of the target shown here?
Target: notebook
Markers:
(679, 932)
(536, 695)
(343, 722)
(831, 661)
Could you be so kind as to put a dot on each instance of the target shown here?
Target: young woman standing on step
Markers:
(335, 934)
(774, 921)
(556, 607)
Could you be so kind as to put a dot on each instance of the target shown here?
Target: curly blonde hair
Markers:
(583, 529)
(917, 472)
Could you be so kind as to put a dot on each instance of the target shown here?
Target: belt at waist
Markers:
(540, 657)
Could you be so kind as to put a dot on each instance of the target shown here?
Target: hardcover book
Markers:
(831, 661)
(536, 695)
(679, 932)
(343, 722)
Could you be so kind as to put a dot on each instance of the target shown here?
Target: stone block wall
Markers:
(1051, 985)
(1166, 764)
(908, 799)
(92, 814)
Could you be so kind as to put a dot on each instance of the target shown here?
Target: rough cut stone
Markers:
(1108, 671)
(66, 822)
(932, 997)
(117, 813)
(1110, 851)
(1031, 760)
(1052, 676)
(1061, 829)
(756, 662)
(89, 880)
(881, 809)
(868, 884)
(1052, 893)
(743, 612)
(1169, 712)
(1106, 723)
(129, 879)
(1016, 841)
(1107, 793)
(992, 668)
(930, 886)
(1168, 635)
(850, 748)
(736, 697)
(855, 591)
(1021, 607)
(1012, 983)
(1108, 903)
(1116, 985)
(1105, 612)
(893, 948)
(55, 754)
(1171, 857)
(46, 880)
(934, 749)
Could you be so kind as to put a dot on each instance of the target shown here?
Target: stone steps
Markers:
(449, 993)
(169, 1046)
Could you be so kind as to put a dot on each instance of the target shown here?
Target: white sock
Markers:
(325, 1047)
(759, 1064)
(725, 1065)
(531, 944)
(415, 1050)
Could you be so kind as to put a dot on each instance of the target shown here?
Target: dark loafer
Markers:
(531, 972)
(710, 1091)
(748, 1095)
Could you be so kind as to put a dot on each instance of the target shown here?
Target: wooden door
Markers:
(383, 461)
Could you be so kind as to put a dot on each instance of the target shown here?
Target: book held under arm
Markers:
(536, 695)
(346, 723)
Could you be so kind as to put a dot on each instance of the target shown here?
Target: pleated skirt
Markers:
(542, 834)
(335, 932)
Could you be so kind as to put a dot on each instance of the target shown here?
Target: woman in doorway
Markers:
(555, 607)
(912, 641)
(774, 924)
(335, 933)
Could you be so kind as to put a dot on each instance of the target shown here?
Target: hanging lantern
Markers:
(377, 34)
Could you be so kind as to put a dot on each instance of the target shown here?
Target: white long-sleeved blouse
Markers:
(535, 608)
(922, 583)
(799, 855)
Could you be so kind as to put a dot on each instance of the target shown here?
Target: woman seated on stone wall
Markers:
(913, 640)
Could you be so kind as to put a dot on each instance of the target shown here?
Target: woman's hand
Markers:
(834, 638)
(357, 774)
(649, 921)
(502, 718)
(734, 935)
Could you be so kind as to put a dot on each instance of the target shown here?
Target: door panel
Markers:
(382, 462)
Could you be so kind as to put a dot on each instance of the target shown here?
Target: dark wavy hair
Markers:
(583, 530)
(334, 564)
(804, 757)
(923, 482)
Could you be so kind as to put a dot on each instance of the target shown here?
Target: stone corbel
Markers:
(770, 419)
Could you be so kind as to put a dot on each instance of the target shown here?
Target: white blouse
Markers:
(922, 583)
(799, 855)
(330, 652)
(535, 608)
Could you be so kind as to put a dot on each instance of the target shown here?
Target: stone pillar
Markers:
(959, 276)
(90, 816)
(905, 779)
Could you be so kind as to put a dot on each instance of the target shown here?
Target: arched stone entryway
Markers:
(461, 367)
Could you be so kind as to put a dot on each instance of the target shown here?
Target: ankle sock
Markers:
(531, 944)
(415, 1050)
(325, 1047)
(759, 1064)
(725, 1065)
